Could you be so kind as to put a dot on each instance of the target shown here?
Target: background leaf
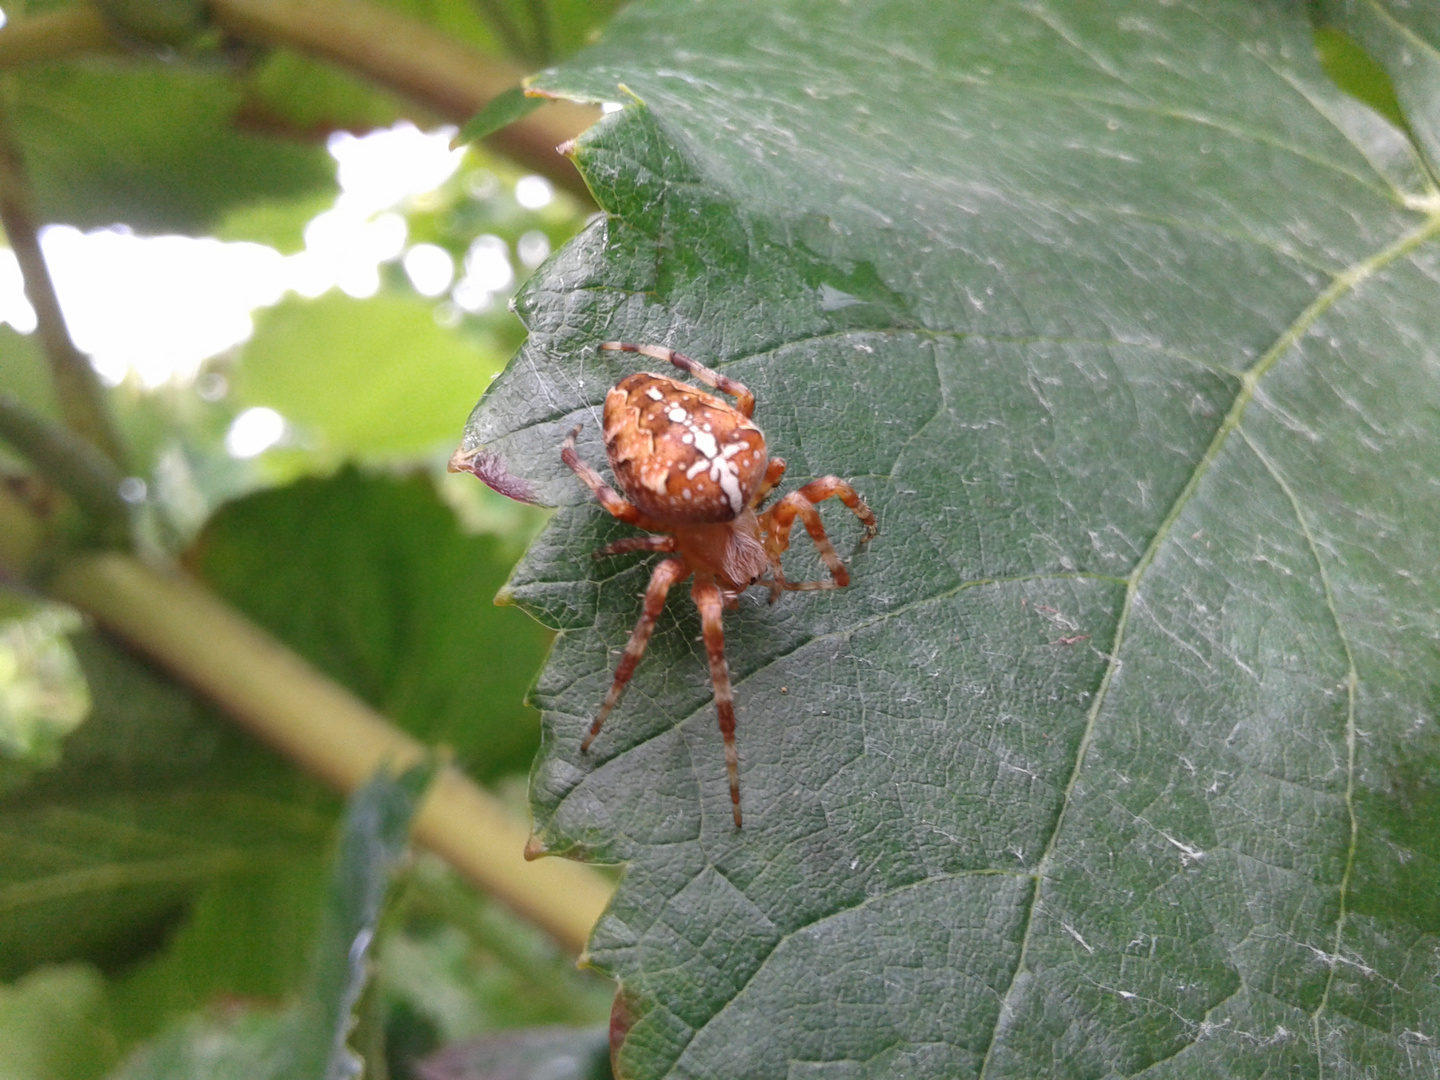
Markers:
(503, 109)
(578, 1053)
(465, 968)
(24, 373)
(1405, 39)
(1118, 752)
(380, 590)
(43, 696)
(289, 89)
(52, 1023)
(167, 857)
(363, 380)
(372, 842)
(165, 875)
(309, 1040)
(153, 801)
(155, 148)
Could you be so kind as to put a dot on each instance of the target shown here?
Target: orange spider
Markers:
(695, 469)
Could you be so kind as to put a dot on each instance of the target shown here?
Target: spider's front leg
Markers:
(744, 399)
(603, 492)
(773, 472)
(709, 600)
(777, 521)
(668, 573)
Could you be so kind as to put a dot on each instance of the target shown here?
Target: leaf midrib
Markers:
(109, 877)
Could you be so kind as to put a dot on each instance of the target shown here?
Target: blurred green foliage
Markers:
(162, 877)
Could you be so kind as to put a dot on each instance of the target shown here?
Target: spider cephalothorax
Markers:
(694, 469)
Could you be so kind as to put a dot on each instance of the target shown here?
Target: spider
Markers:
(694, 470)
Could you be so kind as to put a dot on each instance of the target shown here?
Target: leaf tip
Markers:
(490, 469)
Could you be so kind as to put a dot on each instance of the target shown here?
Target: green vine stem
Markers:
(446, 77)
(326, 730)
(77, 387)
(310, 719)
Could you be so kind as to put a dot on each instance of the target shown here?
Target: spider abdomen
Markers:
(681, 455)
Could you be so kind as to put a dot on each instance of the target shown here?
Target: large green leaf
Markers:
(1120, 753)
(372, 581)
(371, 380)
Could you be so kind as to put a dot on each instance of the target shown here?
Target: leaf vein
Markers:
(1352, 679)
(933, 879)
(847, 631)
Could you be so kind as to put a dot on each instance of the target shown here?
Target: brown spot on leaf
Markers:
(623, 1014)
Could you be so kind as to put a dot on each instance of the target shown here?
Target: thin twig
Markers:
(77, 387)
(418, 61)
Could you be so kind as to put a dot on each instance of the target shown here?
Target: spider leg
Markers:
(706, 595)
(826, 486)
(666, 574)
(637, 543)
(602, 491)
(773, 472)
(744, 399)
(778, 520)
